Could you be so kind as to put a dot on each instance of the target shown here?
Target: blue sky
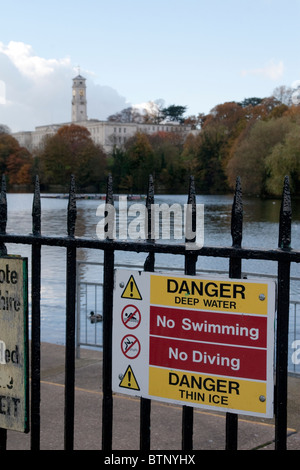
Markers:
(194, 53)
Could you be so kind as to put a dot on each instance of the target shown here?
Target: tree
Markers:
(119, 167)
(129, 114)
(195, 121)
(250, 102)
(72, 151)
(152, 113)
(210, 155)
(15, 161)
(140, 160)
(19, 167)
(168, 164)
(283, 94)
(174, 113)
(4, 129)
(249, 157)
(284, 160)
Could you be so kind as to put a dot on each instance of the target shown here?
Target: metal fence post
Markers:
(70, 322)
(284, 242)
(190, 261)
(3, 252)
(35, 320)
(235, 268)
(108, 282)
(145, 403)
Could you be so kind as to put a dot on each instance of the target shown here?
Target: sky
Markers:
(192, 53)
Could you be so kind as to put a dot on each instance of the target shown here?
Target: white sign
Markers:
(13, 344)
(200, 341)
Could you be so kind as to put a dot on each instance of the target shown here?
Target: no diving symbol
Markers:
(131, 316)
(130, 346)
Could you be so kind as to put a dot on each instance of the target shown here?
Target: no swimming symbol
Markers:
(131, 316)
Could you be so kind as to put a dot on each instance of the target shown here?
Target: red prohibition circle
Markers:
(127, 346)
(131, 318)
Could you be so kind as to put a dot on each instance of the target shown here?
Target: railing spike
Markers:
(192, 191)
(190, 222)
(285, 219)
(237, 215)
(36, 208)
(3, 206)
(150, 260)
(149, 203)
(109, 190)
(109, 213)
(72, 211)
(3, 214)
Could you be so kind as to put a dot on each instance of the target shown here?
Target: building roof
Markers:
(79, 77)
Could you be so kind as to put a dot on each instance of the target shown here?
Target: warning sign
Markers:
(208, 390)
(131, 290)
(130, 346)
(200, 341)
(14, 367)
(209, 294)
(131, 316)
(129, 380)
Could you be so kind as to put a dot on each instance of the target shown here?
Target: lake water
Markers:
(260, 230)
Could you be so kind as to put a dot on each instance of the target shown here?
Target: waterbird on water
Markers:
(95, 317)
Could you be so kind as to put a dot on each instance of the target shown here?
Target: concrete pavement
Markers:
(209, 427)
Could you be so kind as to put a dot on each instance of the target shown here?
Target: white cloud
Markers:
(271, 70)
(37, 91)
(2, 92)
(30, 65)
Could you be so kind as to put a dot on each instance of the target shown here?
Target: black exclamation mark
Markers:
(129, 377)
(131, 288)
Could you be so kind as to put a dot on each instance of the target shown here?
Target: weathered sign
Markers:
(198, 341)
(13, 343)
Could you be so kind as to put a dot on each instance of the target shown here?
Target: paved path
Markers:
(209, 427)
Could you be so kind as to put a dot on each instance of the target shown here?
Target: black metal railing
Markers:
(283, 255)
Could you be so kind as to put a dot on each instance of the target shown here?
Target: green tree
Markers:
(210, 174)
(250, 102)
(174, 113)
(249, 158)
(140, 161)
(284, 159)
(119, 166)
(168, 165)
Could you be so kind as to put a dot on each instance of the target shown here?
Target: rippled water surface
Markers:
(260, 230)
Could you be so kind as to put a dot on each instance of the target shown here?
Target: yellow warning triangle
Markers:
(131, 290)
(129, 380)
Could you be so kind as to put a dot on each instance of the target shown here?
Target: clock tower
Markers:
(79, 103)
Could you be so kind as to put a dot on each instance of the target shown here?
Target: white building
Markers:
(106, 133)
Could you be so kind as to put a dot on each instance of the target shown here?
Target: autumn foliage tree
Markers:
(72, 151)
(15, 161)
(256, 139)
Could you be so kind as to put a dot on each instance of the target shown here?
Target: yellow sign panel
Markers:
(198, 389)
(224, 295)
(131, 290)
